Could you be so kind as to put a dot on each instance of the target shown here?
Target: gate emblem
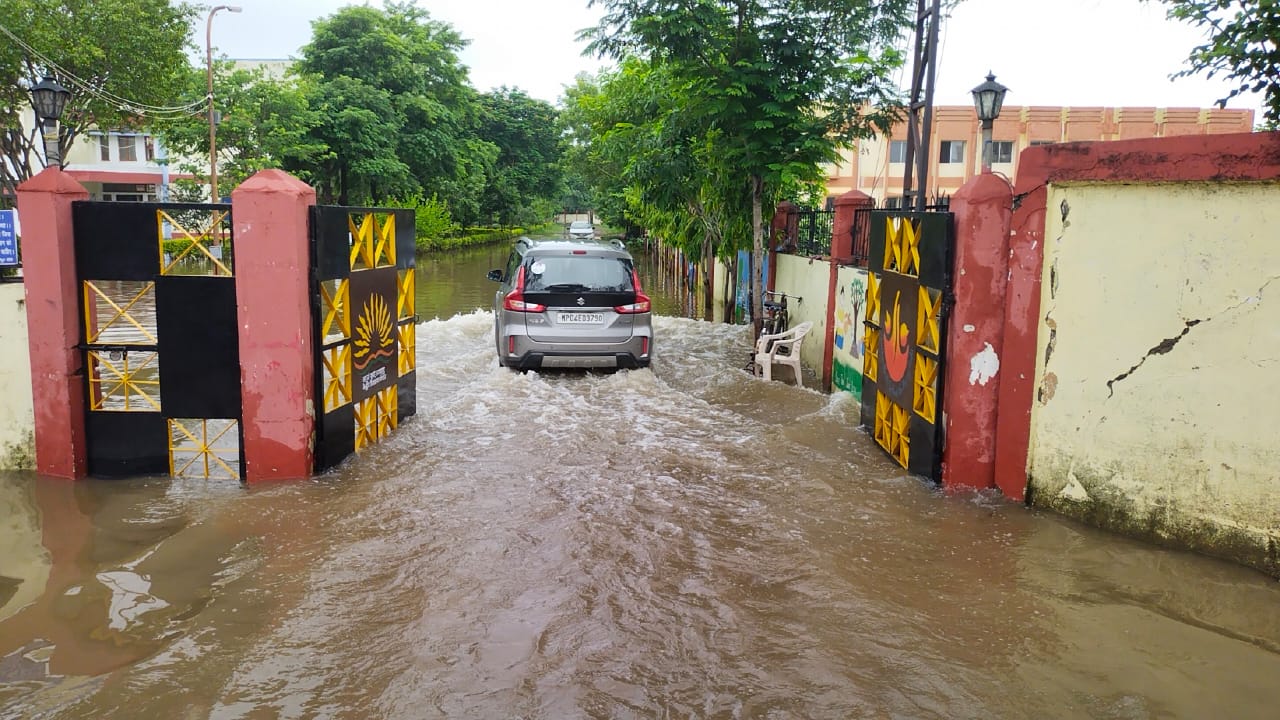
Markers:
(373, 333)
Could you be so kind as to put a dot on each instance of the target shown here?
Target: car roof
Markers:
(580, 223)
(605, 248)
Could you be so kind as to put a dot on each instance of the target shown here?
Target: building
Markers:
(876, 166)
(119, 165)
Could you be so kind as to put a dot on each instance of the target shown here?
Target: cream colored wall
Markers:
(17, 418)
(1157, 408)
(810, 280)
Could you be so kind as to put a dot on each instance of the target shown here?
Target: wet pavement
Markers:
(685, 542)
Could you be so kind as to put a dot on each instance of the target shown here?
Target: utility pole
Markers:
(920, 109)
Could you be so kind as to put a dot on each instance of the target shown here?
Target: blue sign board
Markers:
(8, 238)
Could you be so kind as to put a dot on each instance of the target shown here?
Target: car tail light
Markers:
(514, 300)
(511, 344)
(641, 305)
(644, 346)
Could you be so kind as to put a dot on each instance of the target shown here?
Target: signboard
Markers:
(8, 238)
(374, 351)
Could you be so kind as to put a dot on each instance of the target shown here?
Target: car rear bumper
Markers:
(540, 361)
(527, 354)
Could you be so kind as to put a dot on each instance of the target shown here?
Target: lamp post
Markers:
(987, 99)
(213, 124)
(48, 99)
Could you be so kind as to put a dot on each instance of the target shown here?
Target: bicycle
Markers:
(776, 321)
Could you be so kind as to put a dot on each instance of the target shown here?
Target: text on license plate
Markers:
(581, 318)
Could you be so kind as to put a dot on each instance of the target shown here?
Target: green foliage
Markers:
(527, 166)
(1242, 43)
(433, 223)
(133, 49)
(757, 93)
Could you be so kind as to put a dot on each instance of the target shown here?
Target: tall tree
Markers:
(527, 172)
(123, 59)
(1243, 43)
(779, 85)
(399, 77)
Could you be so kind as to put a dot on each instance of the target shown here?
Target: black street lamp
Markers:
(48, 98)
(987, 100)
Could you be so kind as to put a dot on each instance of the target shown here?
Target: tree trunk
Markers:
(710, 266)
(757, 253)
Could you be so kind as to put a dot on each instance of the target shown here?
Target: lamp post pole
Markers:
(988, 98)
(213, 125)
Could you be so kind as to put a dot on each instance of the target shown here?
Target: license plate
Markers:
(581, 319)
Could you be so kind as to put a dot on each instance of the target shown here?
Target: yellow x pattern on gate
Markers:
(373, 241)
(124, 384)
(407, 336)
(335, 303)
(94, 327)
(929, 320)
(925, 395)
(892, 429)
(902, 245)
(197, 240)
(337, 377)
(204, 448)
(376, 417)
(405, 294)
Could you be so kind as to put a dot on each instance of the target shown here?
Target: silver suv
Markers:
(571, 304)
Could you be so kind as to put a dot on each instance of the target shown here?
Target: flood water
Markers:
(681, 542)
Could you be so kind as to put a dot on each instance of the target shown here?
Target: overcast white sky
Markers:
(1048, 52)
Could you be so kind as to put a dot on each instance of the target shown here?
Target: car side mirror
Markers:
(495, 275)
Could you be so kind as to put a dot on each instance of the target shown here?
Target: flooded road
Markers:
(686, 542)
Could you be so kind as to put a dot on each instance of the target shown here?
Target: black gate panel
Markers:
(364, 326)
(908, 296)
(159, 339)
(125, 444)
(335, 439)
(116, 241)
(200, 345)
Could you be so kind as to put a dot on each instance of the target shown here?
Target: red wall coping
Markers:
(1237, 157)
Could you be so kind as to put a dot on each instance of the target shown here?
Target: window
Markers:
(897, 151)
(104, 147)
(149, 144)
(1001, 151)
(128, 148)
(951, 151)
(1036, 143)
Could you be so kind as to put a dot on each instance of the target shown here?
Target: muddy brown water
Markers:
(685, 542)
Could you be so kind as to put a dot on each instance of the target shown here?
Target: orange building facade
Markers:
(876, 166)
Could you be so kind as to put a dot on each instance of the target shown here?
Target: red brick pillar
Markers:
(975, 336)
(841, 239)
(53, 321)
(273, 290)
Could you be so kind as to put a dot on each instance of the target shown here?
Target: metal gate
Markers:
(364, 326)
(159, 339)
(908, 299)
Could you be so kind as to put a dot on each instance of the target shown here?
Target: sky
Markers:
(1047, 52)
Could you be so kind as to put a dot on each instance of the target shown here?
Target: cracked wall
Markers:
(17, 419)
(1155, 411)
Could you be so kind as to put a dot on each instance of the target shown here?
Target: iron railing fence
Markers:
(813, 232)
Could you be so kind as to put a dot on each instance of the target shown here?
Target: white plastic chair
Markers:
(781, 349)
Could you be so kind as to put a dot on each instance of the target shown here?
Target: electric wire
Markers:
(159, 112)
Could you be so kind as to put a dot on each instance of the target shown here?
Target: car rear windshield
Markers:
(579, 273)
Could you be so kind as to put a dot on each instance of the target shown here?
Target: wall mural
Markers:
(846, 372)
